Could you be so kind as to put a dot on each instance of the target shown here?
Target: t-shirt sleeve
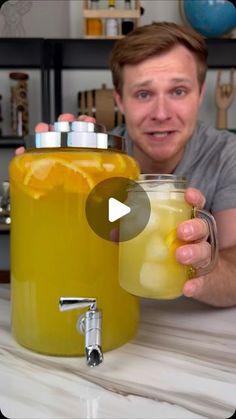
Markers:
(225, 192)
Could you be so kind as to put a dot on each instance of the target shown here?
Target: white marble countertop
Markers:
(182, 364)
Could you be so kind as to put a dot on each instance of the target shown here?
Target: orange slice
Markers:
(90, 161)
(172, 242)
(114, 163)
(134, 169)
(19, 166)
(47, 173)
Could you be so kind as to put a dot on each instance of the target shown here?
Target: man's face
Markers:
(160, 99)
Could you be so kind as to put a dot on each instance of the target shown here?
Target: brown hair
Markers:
(154, 39)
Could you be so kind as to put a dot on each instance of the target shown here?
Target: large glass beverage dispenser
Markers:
(54, 252)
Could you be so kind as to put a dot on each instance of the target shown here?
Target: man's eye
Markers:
(142, 95)
(179, 92)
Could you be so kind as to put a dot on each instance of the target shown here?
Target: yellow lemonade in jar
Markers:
(147, 263)
(55, 253)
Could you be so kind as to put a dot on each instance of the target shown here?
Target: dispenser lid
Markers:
(78, 126)
(76, 134)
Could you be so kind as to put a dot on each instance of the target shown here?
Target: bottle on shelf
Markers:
(127, 24)
(94, 25)
(112, 24)
(19, 103)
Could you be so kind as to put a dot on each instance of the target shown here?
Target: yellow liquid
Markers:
(147, 263)
(55, 253)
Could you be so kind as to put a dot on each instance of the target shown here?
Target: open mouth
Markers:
(160, 134)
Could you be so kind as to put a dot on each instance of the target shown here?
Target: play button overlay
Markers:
(117, 208)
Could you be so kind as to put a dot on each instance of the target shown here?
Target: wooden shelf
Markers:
(103, 37)
(106, 14)
(115, 13)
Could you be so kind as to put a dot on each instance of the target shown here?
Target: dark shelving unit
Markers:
(29, 53)
(94, 54)
(78, 54)
(11, 142)
(63, 54)
(221, 53)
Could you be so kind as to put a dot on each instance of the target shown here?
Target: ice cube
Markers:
(153, 222)
(154, 276)
(156, 250)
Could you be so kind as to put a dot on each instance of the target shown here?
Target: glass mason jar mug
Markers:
(147, 263)
(54, 252)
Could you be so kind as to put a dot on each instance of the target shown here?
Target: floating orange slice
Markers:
(91, 162)
(172, 242)
(47, 173)
(38, 173)
(114, 163)
(19, 166)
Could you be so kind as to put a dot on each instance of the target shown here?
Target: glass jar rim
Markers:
(161, 177)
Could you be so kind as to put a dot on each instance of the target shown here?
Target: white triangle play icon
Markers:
(116, 209)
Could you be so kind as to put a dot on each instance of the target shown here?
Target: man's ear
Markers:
(118, 100)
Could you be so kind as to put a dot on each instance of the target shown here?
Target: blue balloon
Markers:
(211, 18)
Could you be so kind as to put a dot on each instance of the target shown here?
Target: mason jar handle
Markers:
(213, 240)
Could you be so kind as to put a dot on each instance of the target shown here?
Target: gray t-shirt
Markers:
(208, 164)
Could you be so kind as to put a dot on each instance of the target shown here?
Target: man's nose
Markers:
(161, 109)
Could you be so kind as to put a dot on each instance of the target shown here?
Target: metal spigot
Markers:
(88, 324)
(5, 204)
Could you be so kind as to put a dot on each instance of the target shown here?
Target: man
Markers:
(158, 74)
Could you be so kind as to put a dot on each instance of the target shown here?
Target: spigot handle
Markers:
(71, 303)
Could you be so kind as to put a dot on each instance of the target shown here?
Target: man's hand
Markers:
(198, 252)
(69, 117)
(43, 127)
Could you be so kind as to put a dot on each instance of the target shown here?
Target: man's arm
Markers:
(218, 288)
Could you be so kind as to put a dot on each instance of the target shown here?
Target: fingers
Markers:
(70, 118)
(195, 254)
(86, 118)
(193, 287)
(194, 197)
(196, 251)
(225, 89)
(43, 127)
(20, 150)
(232, 78)
(193, 230)
(66, 117)
(218, 81)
